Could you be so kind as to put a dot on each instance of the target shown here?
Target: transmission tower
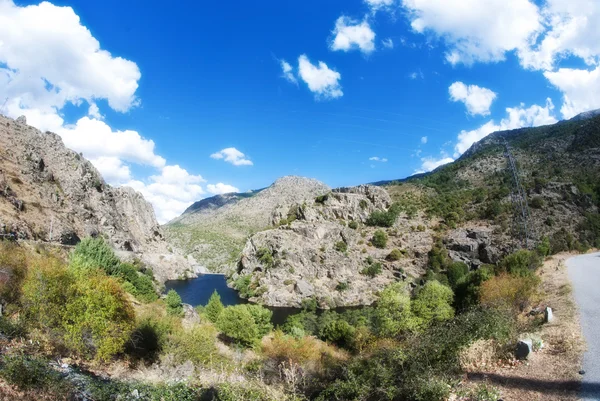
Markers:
(519, 200)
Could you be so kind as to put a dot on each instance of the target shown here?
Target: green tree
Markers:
(522, 262)
(379, 239)
(393, 314)
(433, 303)
(95, 253)
(174, 303)
(456, 271)
(262, 318)
(237, 323)
(214, 307)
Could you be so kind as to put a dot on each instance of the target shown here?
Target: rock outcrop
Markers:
(50, 193)
(323, 248)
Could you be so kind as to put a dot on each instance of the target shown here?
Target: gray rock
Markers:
(22, 120)
(524, 349)
(548, 315)
(305, 289)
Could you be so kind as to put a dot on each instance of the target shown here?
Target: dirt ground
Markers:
(552, 373)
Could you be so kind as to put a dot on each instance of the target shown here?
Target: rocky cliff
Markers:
(52, 194)
(215, 230)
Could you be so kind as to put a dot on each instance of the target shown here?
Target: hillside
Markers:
(215, 229)
(52, 194)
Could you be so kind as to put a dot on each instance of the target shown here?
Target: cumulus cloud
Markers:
(379, 4)
(288, 73)
(388, 43)
(112, 169)
(571, 29)
(321, 80)
(477, 100)
(431, 163)
(233, 156)
(171, 192)
(378, 159)
(220, 188)
(517, 117)
(424, 140)
(580, 89)
(350, 34)
(476, 30)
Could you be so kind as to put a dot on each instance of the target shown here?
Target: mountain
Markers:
(283, 247)
(215, 230)
(52, 194)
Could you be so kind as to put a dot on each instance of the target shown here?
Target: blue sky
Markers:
(149, 91)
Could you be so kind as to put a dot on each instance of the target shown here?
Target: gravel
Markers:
(584, 272)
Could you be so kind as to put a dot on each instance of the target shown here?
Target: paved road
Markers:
(584, 272)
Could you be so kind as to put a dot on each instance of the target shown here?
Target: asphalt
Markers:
(584, 272)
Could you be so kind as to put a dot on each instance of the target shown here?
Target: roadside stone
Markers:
(548, 315)
(524, 349)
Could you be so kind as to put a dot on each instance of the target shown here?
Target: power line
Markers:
(518, 199)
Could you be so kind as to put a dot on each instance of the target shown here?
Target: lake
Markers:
(197, 291)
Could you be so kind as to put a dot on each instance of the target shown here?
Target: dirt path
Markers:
(584, 272)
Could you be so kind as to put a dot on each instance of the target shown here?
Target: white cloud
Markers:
(580, 89)
(50, 59)
(95, 139)
(112, 169)
(321, 80)
(94, 112)
(378, 159)
(171, 192)
(476, 30)
(379, 4)
(416, 75)
(351, 35)
(477, 100)
(430, 163)
(388, 43)
(517, 117)
(220, 188)
(572, 29)
(424, 140)
(233, 156)
(288, 73)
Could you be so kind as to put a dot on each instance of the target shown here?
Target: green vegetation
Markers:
(395, 255)
(265, 256)
(353, 225)
(341, 246)
(373, 269)
(384, 219)
(379, 239)
(174, 303)
(214, 307)
(245, 324)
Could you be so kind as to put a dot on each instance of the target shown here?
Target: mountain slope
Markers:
(52, 194)
(215, 230)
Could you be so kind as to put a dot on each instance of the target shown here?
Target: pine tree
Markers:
(214, 307)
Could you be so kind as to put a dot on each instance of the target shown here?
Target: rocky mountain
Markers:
(215, 230)
(52, 194)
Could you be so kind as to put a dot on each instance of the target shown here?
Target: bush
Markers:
(265, 256)
(379, 239)
(198, 345)
(522, 263)
(13, 260)
(537, 202)
(456, 271)
(544, 248)
(353, 225)
(394, 255)
(433, 303)
(174, 303)
(338, 332)
(262, 318)
(438, 257)
(372, 270)
(96, 253)
(237, 323)
(363, 204)
(466, 293)
(341, 246)
(214, 307)
(321, 199)
(380, 218)
(284, 348)
(149, 337)
(509, 291)
(393, 314)
(343, 286)
(29, 373)
(244, 286)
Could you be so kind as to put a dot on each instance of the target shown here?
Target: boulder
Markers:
(524, 349)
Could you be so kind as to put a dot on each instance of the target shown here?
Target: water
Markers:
(198, 291)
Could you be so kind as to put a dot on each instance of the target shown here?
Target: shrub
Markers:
(237, 323)
(174, 303)
(343, 286)
(544, 247)
(394, 255)
(363, 204)
(243, 285)
(149, 337)
(198, 345)
(341, 246)
(353, 225)
(393, 314)
(380, 218)
(262, 318)
(265, 256)
(29, 373)
(438, 257)
(509, 291)
(561, 241)
(456, 271)
(372, 270)
(95, 253)
(522, 263)
(13, 260)
(99, 319)
(321, 199)
(214, 307)
(537, 202)
(339, 332)
(433, 303)
(284, 348)
(300, 324)
(379, 239)
(466, 292)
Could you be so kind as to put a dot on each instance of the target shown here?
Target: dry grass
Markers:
(551, 374)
